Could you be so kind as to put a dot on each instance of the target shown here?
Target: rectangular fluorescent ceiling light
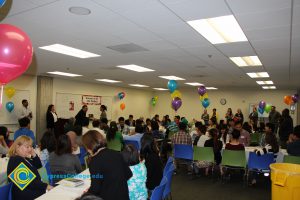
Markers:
(258, 75)
(211, 88)
(269, 87)
(246, 61)
(108, 80)
(172, 78)
(138, 85)
(64, 74)
(160, 89)
(264, 82)
(194, 84)
(135, 68)
(224, 29)
(59, 48)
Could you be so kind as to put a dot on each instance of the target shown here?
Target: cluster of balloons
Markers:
(154, 100)
(264, 107)
(15, 55)
(291, 101)
(175, 94)
(121, 95)
(203, 96)
(10, 92)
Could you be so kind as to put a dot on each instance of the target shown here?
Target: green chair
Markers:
(114, 144)
(44, 175)
(291, 159)
(203, 154)
(235, 160)
(254, 139)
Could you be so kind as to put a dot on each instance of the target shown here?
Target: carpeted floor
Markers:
(188, 187)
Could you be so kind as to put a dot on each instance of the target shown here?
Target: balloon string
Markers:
(1, 95)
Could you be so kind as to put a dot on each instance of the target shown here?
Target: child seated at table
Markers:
(234, 143)
(270, 141)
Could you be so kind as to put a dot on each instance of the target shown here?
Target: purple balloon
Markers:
(176, 103)
(201, 90)
(262, 105)
(295, 98)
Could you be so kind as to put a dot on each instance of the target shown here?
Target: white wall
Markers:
(29, 83)
(192, 107)
(137, 101)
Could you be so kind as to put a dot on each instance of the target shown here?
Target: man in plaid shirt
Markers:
(182, 137)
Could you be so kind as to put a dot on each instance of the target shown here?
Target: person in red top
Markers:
(234, 142)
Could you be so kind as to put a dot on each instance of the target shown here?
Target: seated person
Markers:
(47, 146)
(96, 127)
(130, 121)
(234, 143)
(137, 183)
(271, 144)
(224, 135)
(203, 138)
(22, 152)
(155, 130)
(113, 133)
(293, 147)
(122, 127)
(85, 125)
(182, 137)
(200, 131)
(5, 133)
(62, 161)
(25, 130)
(245, 135)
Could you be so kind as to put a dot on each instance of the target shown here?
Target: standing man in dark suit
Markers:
(81, 115)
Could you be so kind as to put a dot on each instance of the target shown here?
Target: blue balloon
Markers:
(10, 106)
(2, 2)
(260, 110)
(205, 103)
(172, 85)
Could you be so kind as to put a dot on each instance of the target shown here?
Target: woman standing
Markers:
(51, 117)
(113, 173)
(229, 115)
(285, 127)
(103, 110)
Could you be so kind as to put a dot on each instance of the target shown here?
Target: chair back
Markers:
(233, 158)
(169, 176)
(183, 151)
(204, 154)
(254, 139)
(168, 165)
(81, 155)
(132, 142)
(260, 162)
(114, 144)
(44, 175)
(5, 192)
(158, 191)
(291, 159)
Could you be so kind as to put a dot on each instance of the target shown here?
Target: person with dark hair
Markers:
(214, 117)
(130, 121)
(239, 116)
(51, 117)
(69, 125)
(195, 134)
(270, 143)
(247, 127)
(293, 146)
(139, 129)
(156, 118)
(109, 173)
(224, 136)
(81, 115)
(3, 144)
(122, 127)
(25, 111)
(254, 116)
(113, 132)
(149, 152)
(47, 146)
(285, 127)
(5, 133)
(96, 127)
(62, 161)
(25, 130)
(229, 115)
(204, 137)
(103, 125)
(182, 137)
(85, 125)
(205, 117)
(234, 142)
(155, 130)
(88, 196)
(274, 118)
(244, 135)
(103, 110)
(137, 183)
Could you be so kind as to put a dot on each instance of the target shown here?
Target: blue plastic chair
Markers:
(81, 155)
(183, 151)
(158, 191)
(259, 163)
(168, 165)
(47, 166)
(5, 192)
(132, 142)
(169, 175)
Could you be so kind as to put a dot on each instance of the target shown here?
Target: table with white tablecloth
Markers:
(68, 193)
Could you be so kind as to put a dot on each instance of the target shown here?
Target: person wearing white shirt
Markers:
(203, 139)
(25, 110)
(96, 127)
(85, 125)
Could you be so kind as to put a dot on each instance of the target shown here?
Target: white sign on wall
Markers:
(91, 100)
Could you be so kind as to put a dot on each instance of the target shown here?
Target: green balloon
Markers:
(268, 108)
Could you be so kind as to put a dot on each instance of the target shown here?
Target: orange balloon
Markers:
(288, 100)
(122, 106)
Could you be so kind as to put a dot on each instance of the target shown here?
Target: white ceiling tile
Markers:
(236, 49)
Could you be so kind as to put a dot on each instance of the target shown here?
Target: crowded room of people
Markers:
(149, 99)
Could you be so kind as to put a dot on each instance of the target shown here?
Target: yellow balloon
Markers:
(156, 97)
(205, 96)
(10, 92)
(176, 93)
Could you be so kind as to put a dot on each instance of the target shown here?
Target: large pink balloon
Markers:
(15, 52)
